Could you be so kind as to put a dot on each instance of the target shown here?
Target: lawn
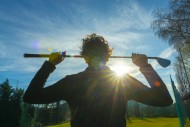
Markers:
(146, 122)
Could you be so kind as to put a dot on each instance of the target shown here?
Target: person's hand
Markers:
(140, 60)
(57, 57)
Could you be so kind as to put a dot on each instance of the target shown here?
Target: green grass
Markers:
(154, 122)
(61, 125)
(146, 122)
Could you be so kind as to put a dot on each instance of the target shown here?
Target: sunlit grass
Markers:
(146, 122)
(61, 125)
(154, 122)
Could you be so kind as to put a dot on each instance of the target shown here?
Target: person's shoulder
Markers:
(127, 75)
(76, 75)
(126, 79)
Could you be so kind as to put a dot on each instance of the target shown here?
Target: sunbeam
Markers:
(120, 68)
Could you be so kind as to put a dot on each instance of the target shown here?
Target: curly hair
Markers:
(95, 46)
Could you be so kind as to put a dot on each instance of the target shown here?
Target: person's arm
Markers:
(155, 95)
(37, 94)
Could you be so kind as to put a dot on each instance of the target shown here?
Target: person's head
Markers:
(95, 48)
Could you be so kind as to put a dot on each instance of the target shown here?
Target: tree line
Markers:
(16, 113)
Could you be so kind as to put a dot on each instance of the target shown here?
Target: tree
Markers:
(181, 77)
(5, 103)
(173, 24)
(10, 105)
(27, 114)
(16, 101)
(182, 69)
(53, 113)
(6, 91)
(186, 58)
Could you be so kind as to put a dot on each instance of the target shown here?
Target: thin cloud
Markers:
(62, 28)
(166, 53)
(6, 68)
(3, 49)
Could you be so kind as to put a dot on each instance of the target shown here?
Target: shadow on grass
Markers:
(145, 119)
(187, 124)
(130, 120)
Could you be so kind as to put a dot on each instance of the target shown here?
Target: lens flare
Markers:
(35, 44)
(50, 50)
(120, 68)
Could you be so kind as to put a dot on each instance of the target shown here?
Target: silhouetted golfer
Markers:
(96, 96)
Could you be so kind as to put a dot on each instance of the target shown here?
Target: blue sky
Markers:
(36, 25)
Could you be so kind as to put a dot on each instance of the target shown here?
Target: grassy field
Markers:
(146, 122)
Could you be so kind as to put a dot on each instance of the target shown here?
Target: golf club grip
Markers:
(26, 55)
(35, 55)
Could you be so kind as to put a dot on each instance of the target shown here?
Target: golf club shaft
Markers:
(26, 55)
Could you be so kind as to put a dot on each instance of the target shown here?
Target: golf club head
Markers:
(163, 62)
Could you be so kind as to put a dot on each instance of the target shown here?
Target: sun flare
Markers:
(120, 68)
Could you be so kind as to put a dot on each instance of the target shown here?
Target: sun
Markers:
(120, 68)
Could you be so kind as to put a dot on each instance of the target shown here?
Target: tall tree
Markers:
(182, 80)
(16, 101)
(173, 24)
(27, 114)
(5, 103)
(10, 105)
(6, 91)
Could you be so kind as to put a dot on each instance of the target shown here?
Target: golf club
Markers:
(163, 62)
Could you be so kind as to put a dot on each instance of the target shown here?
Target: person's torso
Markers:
(97, 101)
